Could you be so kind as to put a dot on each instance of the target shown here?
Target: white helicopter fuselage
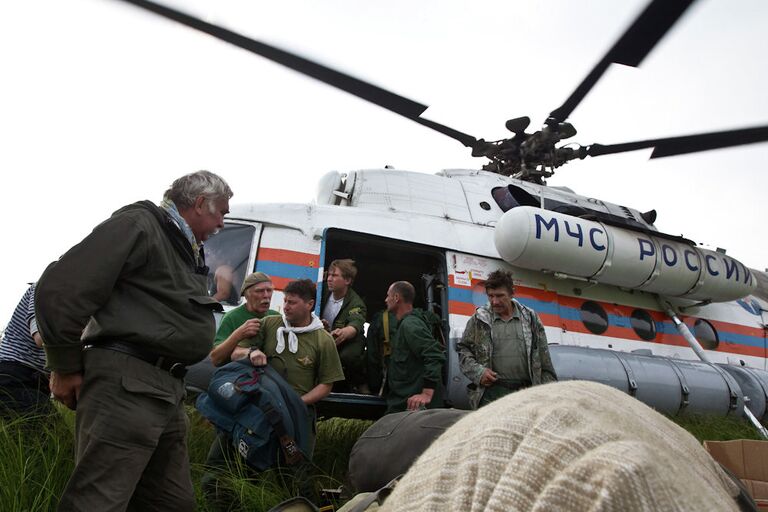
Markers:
(404, 225)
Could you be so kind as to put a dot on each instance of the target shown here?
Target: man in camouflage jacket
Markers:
(504, 346)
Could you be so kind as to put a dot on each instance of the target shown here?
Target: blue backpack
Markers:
(265, 418)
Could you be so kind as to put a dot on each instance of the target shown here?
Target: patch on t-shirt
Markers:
(305, 361)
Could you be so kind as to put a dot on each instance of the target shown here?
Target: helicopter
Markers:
(526, 156)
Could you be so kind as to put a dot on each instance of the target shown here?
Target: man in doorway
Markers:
(244, 321)
(504, 346)
(415, 371)
(121, 314)
(343, 313)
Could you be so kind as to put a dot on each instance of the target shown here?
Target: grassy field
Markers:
(36, 460)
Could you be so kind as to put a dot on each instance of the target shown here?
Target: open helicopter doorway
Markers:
(380, 262)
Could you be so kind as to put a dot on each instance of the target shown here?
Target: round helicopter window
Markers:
(643, 324)
(594, 317)
(706, 334)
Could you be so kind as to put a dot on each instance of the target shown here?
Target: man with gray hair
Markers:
(121, 315)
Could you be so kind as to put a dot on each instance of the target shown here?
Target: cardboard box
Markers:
(748, 460)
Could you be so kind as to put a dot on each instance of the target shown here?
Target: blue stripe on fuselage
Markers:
(286, 270)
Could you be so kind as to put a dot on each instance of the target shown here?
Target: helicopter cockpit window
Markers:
(706, 334)
(227, 255)
(511, 196)
(594, 317)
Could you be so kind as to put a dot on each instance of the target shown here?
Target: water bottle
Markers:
(227, 390)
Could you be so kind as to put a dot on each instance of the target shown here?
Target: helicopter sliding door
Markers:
(380, 262)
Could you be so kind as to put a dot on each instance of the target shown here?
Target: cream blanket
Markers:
(567, 446)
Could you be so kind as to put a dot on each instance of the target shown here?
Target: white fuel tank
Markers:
(543, 240)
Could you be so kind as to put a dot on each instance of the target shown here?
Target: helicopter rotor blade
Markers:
(672, 146)
(630, 50)
(360, 88)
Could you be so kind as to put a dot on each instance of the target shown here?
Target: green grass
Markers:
(36, 458)
(338, 435)
(248, 491)
(717, 428)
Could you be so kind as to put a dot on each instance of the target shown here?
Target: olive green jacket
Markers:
(416, 363)
(476, 349)
(351, 352)
(133, 279)
(353, 312)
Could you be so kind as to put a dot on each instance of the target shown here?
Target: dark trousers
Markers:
(131, 435)
(352, 356)
(23, 390)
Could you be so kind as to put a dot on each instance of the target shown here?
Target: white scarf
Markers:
(293, 340)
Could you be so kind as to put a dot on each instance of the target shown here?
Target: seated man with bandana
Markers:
(297, 346)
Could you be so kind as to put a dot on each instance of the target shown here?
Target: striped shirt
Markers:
(17, 343)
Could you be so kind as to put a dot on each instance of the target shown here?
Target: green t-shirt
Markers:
(315, 362)
(234, 319)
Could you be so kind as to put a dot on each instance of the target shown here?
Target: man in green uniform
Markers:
(343, 313)
(504, 346)
(243, 321)
(297, 346)
(415, 373)
(121, 314)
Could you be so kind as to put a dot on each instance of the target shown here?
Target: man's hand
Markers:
(228, 350)
(249, 329)
(416, 402)
(239, 353)
(343, 334)
(258, 358)
(326, 325)
(488, 378)
(316, 394)
(65, 387)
